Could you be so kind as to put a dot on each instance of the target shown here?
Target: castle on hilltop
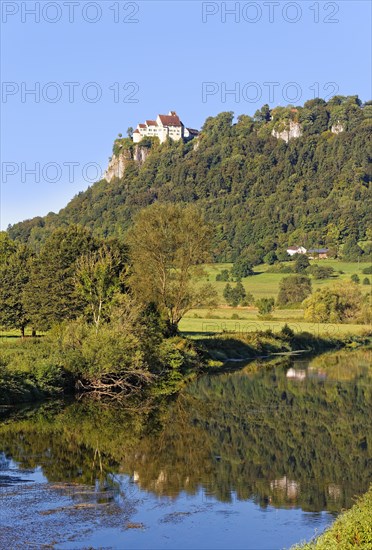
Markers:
(163, 127)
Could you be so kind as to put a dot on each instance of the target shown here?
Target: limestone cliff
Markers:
(337, 128)
(292, 130)
(119, 162)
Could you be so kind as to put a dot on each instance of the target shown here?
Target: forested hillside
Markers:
(260, 192)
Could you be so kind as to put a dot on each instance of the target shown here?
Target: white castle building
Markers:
(163, 127)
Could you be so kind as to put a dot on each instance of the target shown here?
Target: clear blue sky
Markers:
(168, 54)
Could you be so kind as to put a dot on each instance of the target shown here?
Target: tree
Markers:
(355, 278)
(97, 280)
(265, 305)
(234, 296)
(270, 258)
(351, 251)
(130, 132)
(241, 268)
(223, 276)
(293, 289)
(14, 275)
(335, 304)
(50, 294)
(167, 245)
(301, 263)
(366, 281)
(321, 272)
(7, 247)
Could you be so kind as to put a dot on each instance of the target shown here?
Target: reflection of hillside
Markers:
(262, 436)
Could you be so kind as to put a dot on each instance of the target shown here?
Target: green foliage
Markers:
(280, 268)
(168, 242)
(339, 303)
(301, 263)
(270, 258)
(223, 276)
(293, 289)
(367, 270)
(321, 272)
(260, 192)
(265, 305)
(355, 278)
(242, 268)
(50, 294)
(366, 281)
(14, 276)
(234, 295)
(351, 251)
(97, 279)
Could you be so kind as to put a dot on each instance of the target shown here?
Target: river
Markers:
(260, 457)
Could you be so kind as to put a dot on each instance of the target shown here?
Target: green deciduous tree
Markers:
(336, 304)
(50, 295)
(14, 275)
(265, 305)
(234, 295)
(97, 280)
(301, 263)
(293, 289)
(167, 243)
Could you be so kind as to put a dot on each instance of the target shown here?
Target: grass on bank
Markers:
(352, 529)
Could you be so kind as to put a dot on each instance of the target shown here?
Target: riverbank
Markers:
(243, 347)
(352, 529)
(35, 369)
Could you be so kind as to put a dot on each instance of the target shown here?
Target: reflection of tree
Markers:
(256, 433)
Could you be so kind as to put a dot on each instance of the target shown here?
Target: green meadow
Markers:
(223, 318)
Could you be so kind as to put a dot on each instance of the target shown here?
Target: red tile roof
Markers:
(170, 120)
(136, 132)
(151, 123)
(142, 125)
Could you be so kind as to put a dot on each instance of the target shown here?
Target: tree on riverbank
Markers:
(167, 244)
(14, 276)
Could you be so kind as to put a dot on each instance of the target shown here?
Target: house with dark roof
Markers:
(321, 253)
(163, 127)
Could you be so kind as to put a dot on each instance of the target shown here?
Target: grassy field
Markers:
(266, 284)
(261, 284)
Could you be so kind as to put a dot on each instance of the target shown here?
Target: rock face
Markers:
(118, 163)
(337, 128)
(294, 130)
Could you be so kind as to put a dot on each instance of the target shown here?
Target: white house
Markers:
(292, 250)
(163, 127)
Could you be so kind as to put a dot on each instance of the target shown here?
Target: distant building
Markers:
(292, 250)
(163, 127)
(321, 253)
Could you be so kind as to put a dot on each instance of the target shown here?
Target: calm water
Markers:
(260, 458)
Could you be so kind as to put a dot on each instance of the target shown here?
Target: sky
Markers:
(75, 74)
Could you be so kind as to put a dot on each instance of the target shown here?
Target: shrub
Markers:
(265, 305)
(355, 278)
(366, 281)
(321, 272)
(223, 276)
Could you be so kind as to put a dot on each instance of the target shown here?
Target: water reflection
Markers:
(285, 434)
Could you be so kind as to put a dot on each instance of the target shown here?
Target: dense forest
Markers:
(261, 192)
